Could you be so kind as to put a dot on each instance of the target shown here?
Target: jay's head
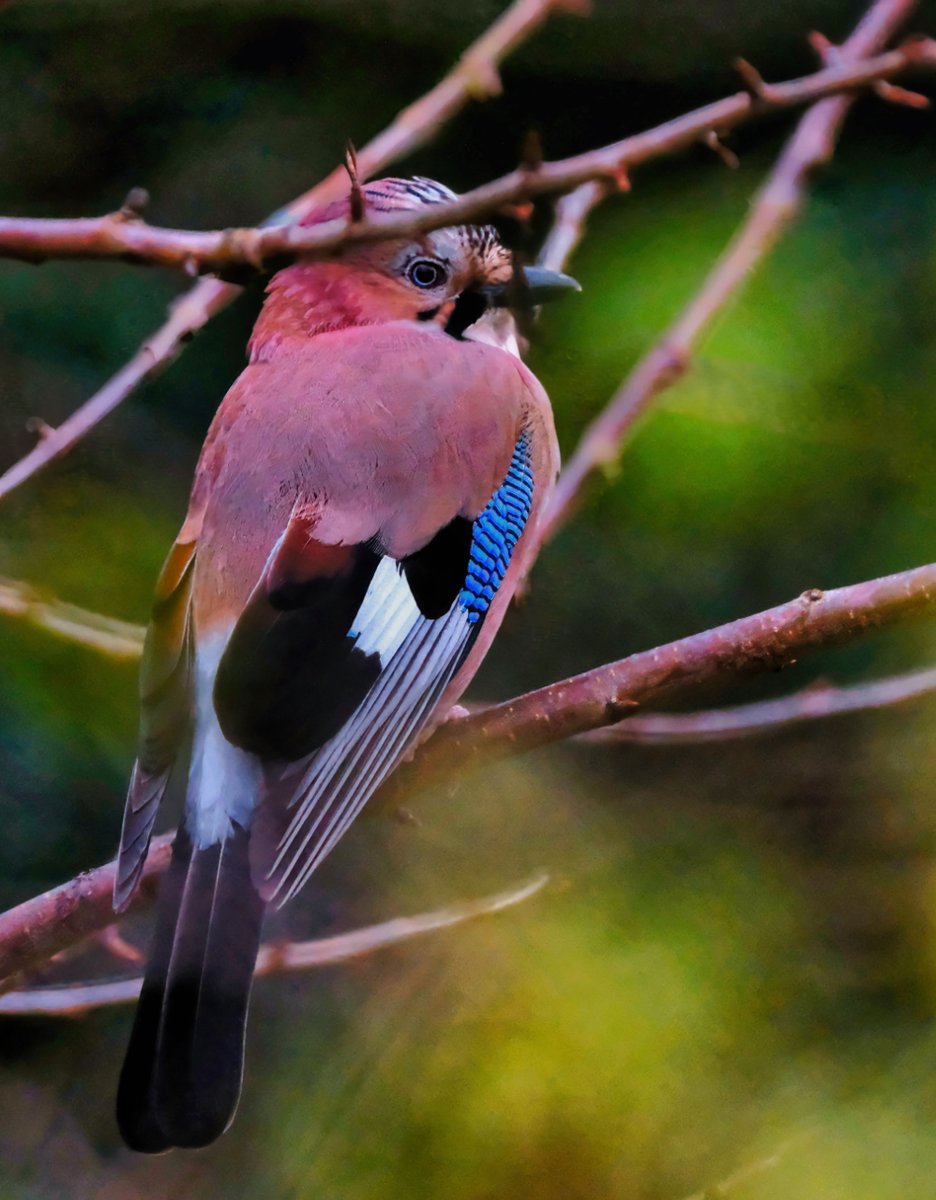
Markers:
(453, 277)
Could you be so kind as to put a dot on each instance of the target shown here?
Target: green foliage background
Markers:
(743, 949)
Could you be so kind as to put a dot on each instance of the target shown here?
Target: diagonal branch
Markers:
(123, 236)
(765, 641)
(474, 77)
(816, 701)
(70, 1000)
(568, 227)
(38, 928)
(107, 635)
(775, 207)
(121, 640)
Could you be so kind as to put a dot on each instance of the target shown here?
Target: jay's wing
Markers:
(164, 707)
(339, 659)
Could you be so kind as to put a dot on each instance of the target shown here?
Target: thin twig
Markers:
(117, 237)
(107, 635)
(38, 928)
(78, 998)
(747, 1173)
(472, 78)
(568, 227)
(817, 701)
(777, 204)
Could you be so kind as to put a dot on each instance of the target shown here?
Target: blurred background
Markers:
(739, 950)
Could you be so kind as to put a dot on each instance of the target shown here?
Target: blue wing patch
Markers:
(496, 532)
(310, 802)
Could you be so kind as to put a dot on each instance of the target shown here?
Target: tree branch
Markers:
(124, 237)
(75, 999)
(472, 78)
(766, 641)
(117, 639)
(744, 1175)
(39, 928)
(816, 701)
(568, 227)
(122, 640)
(775, 207)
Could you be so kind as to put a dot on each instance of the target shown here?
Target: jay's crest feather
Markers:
(371, 283)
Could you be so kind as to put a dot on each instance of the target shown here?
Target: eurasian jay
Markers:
(363, 507)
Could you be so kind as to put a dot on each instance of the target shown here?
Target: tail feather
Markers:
(182, 1075)
(135, 1116)
(143, 799)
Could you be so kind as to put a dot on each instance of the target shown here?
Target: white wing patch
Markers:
(387, 614)
(419, 657)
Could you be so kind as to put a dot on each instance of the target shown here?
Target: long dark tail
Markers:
(181, 1077)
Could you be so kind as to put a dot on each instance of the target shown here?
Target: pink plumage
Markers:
(362, 509)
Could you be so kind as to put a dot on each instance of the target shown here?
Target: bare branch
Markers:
(568, 227)
(777, 204)
(746, 1174)
(117, 236)
(117, 639)
(75, 999)
(471, 78)
(34, 931)
(766, 716)
(766, 641)
(39, 928)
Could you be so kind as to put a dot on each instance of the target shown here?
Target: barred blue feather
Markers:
(496, 532)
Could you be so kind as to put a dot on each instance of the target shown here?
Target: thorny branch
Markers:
(474, 77)
(774, 209)
(125, 237)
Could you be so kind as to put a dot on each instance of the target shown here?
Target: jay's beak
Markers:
(535, 286)
(546, 285)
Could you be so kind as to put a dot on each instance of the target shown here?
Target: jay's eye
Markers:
(426, 273)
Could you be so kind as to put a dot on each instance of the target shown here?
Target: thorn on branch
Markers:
(137, 200)
(42, 429)
(752, 79)
(714, 143)
(825, 50)
(356, 195)
(618, 178)
(617, 709)
(531, 157)
(520, 213)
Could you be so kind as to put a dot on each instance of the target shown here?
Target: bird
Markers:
(364, 505)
